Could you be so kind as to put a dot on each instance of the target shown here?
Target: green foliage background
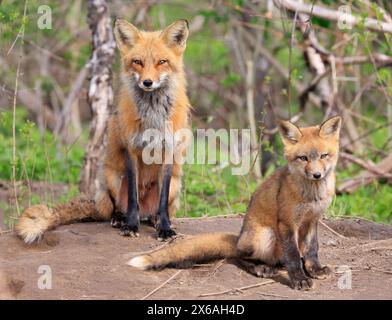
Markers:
(208, 189)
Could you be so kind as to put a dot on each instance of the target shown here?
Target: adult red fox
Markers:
(153, 94)
(280, 226)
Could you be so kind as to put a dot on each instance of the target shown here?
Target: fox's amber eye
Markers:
(162, 61)
(137, 61)
(303, 158)
(324, 155)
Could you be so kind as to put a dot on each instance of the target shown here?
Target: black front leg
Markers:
(292, 260)
(131, 227)
(311, 261)
(163, 222)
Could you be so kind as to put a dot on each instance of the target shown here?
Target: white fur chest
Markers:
(154, 109)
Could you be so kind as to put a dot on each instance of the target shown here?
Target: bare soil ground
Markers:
(88, 261)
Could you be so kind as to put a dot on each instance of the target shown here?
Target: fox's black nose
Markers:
(147, 83)
(317, 175)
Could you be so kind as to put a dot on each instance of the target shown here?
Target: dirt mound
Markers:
(361, 228)
(88, 261)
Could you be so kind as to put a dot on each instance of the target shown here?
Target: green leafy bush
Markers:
(38, 157)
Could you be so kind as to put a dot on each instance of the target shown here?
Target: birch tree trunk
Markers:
(100, 94)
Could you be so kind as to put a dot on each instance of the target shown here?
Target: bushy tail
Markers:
(183, 254)
(37, 219)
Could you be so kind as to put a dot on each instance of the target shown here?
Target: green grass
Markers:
(373, 202)
(209, 189)
(39, 157)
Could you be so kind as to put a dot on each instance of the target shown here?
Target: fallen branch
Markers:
(334, 15)
(371, 167)
(219, 264)
(236, 289)
(162, 285)
(380, 59)
(366, 177)
(272, 295)
(332, 230)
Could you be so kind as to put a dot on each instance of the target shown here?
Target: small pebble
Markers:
(332, 242)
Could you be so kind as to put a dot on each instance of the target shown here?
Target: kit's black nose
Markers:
(147, 83)
(317, 175)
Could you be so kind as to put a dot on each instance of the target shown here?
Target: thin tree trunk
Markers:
(250, 87)
(100, 94)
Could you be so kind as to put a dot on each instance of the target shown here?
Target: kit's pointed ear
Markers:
(289, 132)
(176, 34)
(331, 128)
(126, 34)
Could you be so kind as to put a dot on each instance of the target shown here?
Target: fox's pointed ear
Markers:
(126, 34)
(331, 128)
(176, 34)
(289, 132)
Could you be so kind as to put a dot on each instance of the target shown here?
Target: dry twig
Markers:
(332, 230)
(366, 177)
(162, 285)
(334, 15)
(219, 264)
(237, 289)
(371, 167)
(272, 295)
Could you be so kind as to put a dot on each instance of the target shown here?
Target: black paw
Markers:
(118, 220)
(130, 231)
(301, 282)
(164, 234)
(130, 228)
(164, 230)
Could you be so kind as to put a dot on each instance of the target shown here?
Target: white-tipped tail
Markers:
(31, 236)
(34, 222)
(139, 262)
(38, 219)
(184, 253)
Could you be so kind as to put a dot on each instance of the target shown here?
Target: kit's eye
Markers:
(162, 61)
(303, 158)
(137, 61)
(324, 155)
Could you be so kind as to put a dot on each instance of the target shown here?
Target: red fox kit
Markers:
(280, 226)
(153, 93)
